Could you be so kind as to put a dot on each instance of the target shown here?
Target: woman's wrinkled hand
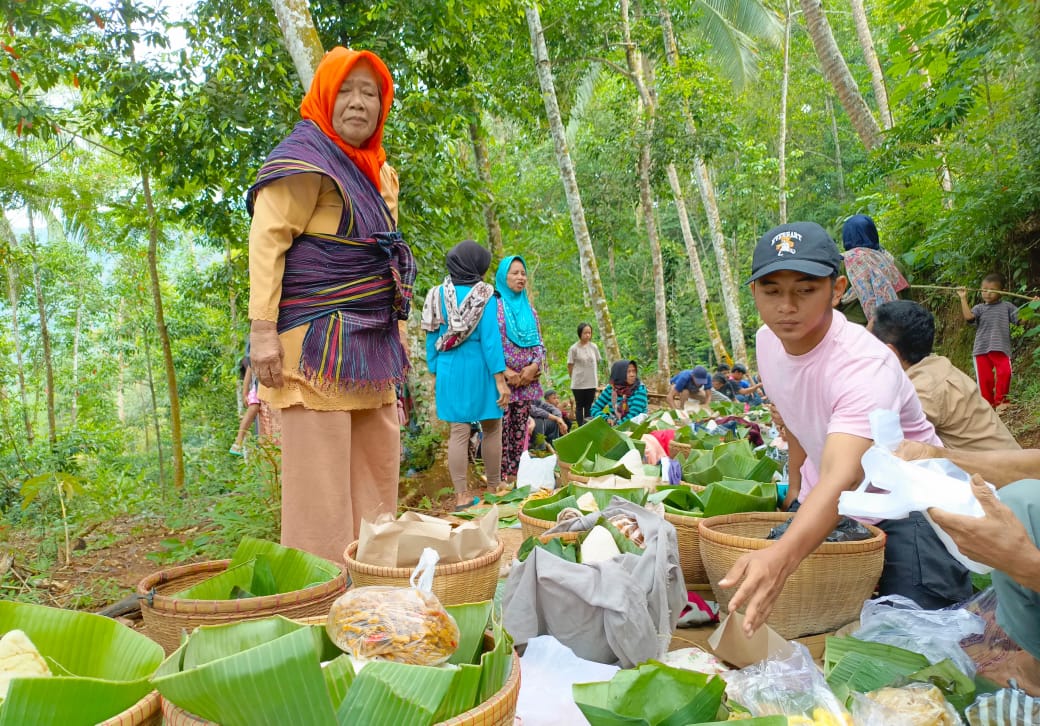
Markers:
(513, 378)
(529, 374)
(265, 353)
(503, 395)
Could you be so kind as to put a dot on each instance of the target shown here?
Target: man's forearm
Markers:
(999, 468)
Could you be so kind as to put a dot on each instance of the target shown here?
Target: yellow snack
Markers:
(19, 658)
(918, 704)
(401, 624)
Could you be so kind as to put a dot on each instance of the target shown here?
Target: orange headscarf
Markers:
(318, 104)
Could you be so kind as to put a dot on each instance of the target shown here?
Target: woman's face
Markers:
(356, 111)
(586, 334)
(516, 277)
(631, 378)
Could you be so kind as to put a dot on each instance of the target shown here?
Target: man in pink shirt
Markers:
(825, 375)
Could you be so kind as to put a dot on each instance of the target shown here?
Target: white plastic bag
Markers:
(549, 670)
(910, 486)
(935, 634)
(536, 473)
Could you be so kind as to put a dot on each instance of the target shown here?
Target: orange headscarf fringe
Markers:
(321, 98)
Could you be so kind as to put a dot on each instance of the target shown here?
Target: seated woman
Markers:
(624, 397)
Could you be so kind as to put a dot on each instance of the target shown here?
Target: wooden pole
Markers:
(1031, 298)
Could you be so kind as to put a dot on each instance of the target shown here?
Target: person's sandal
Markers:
(235, 450)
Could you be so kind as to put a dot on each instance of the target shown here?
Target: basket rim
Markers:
(510, 689)
(140, 712)
(454, 568)
(877, 541)
(524, 517)
(158, 601)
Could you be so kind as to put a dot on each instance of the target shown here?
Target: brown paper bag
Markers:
(389, 542)
(731, 645)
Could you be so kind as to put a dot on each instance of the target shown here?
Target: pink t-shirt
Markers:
(833, 388)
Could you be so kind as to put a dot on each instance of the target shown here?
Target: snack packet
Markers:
(402, 624)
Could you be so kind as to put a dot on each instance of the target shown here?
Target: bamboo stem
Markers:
(974, 289)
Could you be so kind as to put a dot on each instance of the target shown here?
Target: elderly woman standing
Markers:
(873, 276)
(330, 288)
(525, 357)
(464, 354)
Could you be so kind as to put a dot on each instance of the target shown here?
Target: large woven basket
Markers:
(824, 593)
(675, 448)
(166, 618)
(499, 710)
(453, 584)
(531, 526)
(145, 712)
(687, 532)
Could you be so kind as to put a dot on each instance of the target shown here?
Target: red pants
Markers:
(986, 365)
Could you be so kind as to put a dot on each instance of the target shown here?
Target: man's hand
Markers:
(561, 424)
(764, 573)
(997, 539)
(265, 353)
(914, 450)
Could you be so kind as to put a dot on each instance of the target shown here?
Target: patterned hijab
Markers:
(521, 325)
(317, 105)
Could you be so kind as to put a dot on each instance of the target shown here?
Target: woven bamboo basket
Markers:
(499, 710)
(675, 448)
(687, 532)
(567, 475)
(824, 593)
(532, 527)
(145, 712)
(453, 584)
(165, 617)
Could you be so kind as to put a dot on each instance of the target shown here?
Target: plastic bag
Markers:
(536, 473)
(935, 634)
(916, 704)
(848, 530)
(911, 486)
(1006, 707)
(402, 624)
(791, 686)
(549, 670)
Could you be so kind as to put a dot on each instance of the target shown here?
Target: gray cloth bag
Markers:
(620, 611)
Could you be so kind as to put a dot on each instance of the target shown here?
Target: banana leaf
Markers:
(339, 674)
(601, 466)
(594, 437)
(731, 496)
(702, 471)
(836, 648)
(758, 721)
(392, 693)
(948, 678)
(603, 496)
(549, 508)
(283, 569)
(679, 500)
(514, 495)
(652, 694)
(859, 673)
(555, 545)
(496, 665)
(106, 667)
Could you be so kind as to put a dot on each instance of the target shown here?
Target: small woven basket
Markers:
(165, 617)
(824, 593)
(675, 448)
(453, 584)
(687, 532)
(499, 710)
(532, 527)
(145, 712)
(567, 474)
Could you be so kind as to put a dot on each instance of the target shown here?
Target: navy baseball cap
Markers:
(701, 376)
(798, 246)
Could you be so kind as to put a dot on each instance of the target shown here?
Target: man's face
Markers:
(797, 307)
(553, 399)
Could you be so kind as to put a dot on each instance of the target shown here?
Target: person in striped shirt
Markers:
(625, 395)
(992, 319)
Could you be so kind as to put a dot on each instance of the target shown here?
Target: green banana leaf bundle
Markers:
(652, 694)
(100, 667)
(269, 672)
(571, 551)
(549, 508)
(735, 460)
(260, 568)
(728, 496)
(595, 438)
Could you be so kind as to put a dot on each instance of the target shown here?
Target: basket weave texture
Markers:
(823, 594)
(165, 617)
(143, 713)
(499, 710)
(675, 448)
(453, 584)
(532, 527)
(687, 532)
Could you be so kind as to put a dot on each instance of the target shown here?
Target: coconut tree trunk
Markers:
(699, 283)
(727, 284)
(478, 137)
(837, 73)
(300, 37)
(586, 253)
(782, 145)
(45, 335)
(877, 77)
(7, 236)
(176, 443)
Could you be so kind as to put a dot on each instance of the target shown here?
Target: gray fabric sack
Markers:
(620, 611)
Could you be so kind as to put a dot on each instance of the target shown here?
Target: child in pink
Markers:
(992, 319)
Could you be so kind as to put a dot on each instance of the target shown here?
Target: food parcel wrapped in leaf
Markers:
(622, 609)
(402, 624)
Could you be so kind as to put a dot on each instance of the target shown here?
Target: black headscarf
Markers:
(619, 377)
(860, 231)
(468, 262)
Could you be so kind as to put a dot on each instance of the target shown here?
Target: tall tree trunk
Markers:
(482, 158)
(164, 335)
(45, 335)
(586, 253)
(699, 283)
(837, 73)
(75, 353)
(120, 371)
(643, 79)
(7, 237)
(155, 415)
(837, 147)
(945, 177)
(232, 299)
(877, 77)
(727, 284)
(782, 146)
(300, 37)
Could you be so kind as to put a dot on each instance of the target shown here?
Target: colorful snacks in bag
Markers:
(402, 624)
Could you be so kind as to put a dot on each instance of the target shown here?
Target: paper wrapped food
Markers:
(402, 624)
(19, 658)
(917, 704)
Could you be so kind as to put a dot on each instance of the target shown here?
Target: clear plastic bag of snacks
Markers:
(402, 624)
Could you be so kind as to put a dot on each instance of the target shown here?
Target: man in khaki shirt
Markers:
(950, 399)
